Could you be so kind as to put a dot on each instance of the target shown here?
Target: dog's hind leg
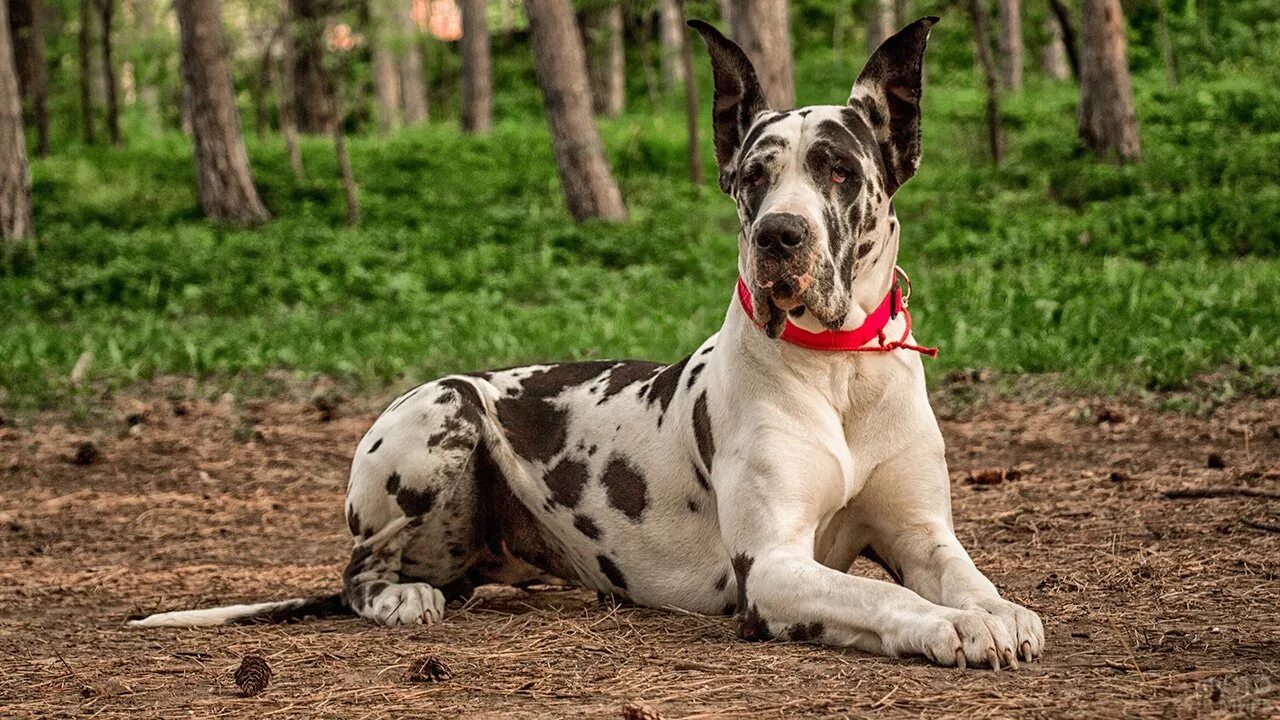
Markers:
(411, 505)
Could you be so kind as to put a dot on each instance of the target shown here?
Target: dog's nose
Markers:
(781, 233)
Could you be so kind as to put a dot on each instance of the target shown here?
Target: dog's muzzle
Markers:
(784, 258)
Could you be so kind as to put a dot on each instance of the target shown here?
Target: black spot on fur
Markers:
(694, 506)
(702, 479)
(472, 406)
(444, 398)
(625, 488)
(612, 572)
(707, 349)
(627, 374)
(586, 526)
(566, 482)
(534, 424)
(376, 444)
(805, 632)
(751, 625)
(703, 434)
(694, 372)
(741, 569)
(665, 384)
(865, 248)
(353, 522)
(722, 582)
(749, 143)
(413, 503)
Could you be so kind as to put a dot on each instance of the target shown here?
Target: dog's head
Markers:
(814, 185)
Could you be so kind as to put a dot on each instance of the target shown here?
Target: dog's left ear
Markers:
(739, 98)
(888, 91)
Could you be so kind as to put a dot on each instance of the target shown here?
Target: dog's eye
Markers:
(754, 176)
(839, 174)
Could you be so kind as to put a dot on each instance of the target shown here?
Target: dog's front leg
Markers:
(769, 523)
(907, 506)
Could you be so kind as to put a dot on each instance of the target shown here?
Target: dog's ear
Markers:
(738, 96)
(888, 91)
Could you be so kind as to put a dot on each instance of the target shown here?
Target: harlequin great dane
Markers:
(744, 479)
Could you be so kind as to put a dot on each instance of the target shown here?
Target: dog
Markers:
(744, 479)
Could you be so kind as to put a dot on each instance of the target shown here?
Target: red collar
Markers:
(857, 339)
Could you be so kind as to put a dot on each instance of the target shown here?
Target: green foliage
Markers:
(1115, 277)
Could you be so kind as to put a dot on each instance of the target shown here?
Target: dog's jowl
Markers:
(744, 479)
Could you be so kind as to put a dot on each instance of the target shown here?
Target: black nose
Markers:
(781, 233)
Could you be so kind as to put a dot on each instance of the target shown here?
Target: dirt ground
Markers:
(1155, 606)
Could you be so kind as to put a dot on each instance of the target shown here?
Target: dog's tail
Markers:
(267, 612)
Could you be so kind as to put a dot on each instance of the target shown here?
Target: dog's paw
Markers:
(407, 604)
(967, 639)
(1023, 624)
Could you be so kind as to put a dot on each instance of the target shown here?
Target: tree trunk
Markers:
(15, 178)
(26, 19)
(477, 68)
(879, 23)
(1011, 48)
(903, 10)
(670, 40)
(312, 87)
(691, 109)
(606, 60)
(107, 10)
(726, 14)
(413, 86)
(1063, 16)
(222, 165)
(561, 64)
(349, 191)
(1108, 121)
(1053, 56)
(386, 76)
(763, 29)
(288, 125)
(982, 44)
(85, 47)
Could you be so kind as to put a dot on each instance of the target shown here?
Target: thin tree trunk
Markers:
(15, 178)
(1011, 48)
(107, 10)
(386, 76)
(763, 29)
(651, 82)
(223, 176)
(1108, 121)
(982, 43)
(691, 109)
(26, 19)
(670, 41)
(85, 47)
(261, 88)
(313, 91)
(879, 23)
(726, 14)
(413, 86)
(1166, 44)
(288, 126)
(1053, 56)
(350, 192)
(1063, 15)
(903, 11)
(606, 60)
(477, 68)
(561, 64)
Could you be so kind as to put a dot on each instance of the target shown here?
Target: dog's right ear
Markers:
(738, 99)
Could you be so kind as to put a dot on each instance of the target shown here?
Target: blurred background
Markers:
(254, 193)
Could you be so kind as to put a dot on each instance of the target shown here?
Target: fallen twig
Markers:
(1260, 525)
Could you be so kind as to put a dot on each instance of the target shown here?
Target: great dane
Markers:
(745, 478)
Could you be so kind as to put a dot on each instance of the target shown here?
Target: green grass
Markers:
(1118, 278)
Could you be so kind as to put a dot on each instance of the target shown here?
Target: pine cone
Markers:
(253, 675)
(640, 711)
(428, 669)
